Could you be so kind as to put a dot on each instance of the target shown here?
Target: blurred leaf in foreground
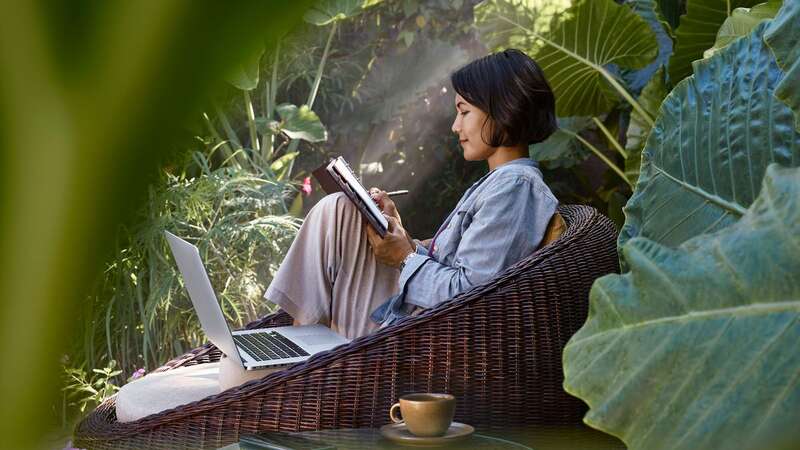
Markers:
(94, 96)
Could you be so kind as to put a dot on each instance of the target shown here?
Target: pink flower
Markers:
(306, 186)
(138, 374)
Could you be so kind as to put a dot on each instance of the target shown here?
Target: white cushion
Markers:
(157, 392)
(160, 391)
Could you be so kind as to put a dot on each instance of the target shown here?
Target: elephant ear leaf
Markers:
(741, 22)
(502, 24)
(704, 159)
(301, 123)
(783, 36)
(562, 148)
(698, 32)
(636, 80)
(244, 76)
(696, 347)
(588, 36)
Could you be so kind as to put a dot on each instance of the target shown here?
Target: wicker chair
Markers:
(496, 347)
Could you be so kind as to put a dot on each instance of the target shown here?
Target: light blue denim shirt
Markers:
(499, 221)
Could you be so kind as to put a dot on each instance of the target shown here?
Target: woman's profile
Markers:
(340, 273)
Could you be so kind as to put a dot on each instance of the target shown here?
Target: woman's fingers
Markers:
(376, 193)
(392, 223)
(379, 196)
(385, 203)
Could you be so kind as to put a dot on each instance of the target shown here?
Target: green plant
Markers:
(141, 315)
(84, 390)
(694, 347)
(273, 142)
(698, 31)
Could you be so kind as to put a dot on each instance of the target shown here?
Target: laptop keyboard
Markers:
(268, 345)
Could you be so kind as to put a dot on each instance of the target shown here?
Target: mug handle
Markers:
(394, 408)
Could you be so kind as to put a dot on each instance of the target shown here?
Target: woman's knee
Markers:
(336, 202)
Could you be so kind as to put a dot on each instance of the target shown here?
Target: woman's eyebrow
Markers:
(459, 104)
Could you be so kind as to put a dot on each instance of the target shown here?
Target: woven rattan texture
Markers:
(496, 347)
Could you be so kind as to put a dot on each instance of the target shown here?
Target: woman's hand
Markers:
(388, 207)
(393, 248)
(385, 203)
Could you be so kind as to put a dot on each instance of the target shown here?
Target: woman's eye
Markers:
(464, 113)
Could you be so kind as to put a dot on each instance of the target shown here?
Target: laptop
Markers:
(252, 349)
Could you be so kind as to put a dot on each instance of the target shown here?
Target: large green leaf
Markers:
(95, 97)
(707, 153)
(497, 33)
(698, 31)
(783, 36)
(562, 148)
(301, 123)
(245, 74)
(741, 22)
(589, 35)
(697, 347)
(636, 80)
(586, 37)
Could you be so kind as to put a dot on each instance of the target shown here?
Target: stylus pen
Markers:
(400, 192)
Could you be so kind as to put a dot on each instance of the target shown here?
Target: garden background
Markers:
(125, 137)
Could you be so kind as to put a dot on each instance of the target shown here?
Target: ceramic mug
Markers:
(428, 415)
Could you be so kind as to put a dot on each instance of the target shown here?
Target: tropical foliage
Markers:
(140, 312)
(705, 158)
(694, 346)
(698, 32)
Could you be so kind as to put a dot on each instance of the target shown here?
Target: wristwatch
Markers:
(407, 258)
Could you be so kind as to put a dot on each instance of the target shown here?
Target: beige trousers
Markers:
(330, 275)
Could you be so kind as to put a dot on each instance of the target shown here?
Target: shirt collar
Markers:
(514, 162)
(519, 161)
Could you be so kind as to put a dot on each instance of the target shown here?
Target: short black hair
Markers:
(513, 91)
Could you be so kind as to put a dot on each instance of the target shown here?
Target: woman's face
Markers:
(468, 124)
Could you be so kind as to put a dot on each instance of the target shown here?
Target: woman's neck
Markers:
(505, 154)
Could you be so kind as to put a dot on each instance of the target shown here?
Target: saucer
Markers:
(398, 432)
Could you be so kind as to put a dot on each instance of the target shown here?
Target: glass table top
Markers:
(534, 438)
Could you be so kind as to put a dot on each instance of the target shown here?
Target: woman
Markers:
(339, 272)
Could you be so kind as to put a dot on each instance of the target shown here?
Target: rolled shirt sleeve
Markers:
(506, 225)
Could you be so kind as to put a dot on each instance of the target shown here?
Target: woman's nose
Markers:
(456, 127)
